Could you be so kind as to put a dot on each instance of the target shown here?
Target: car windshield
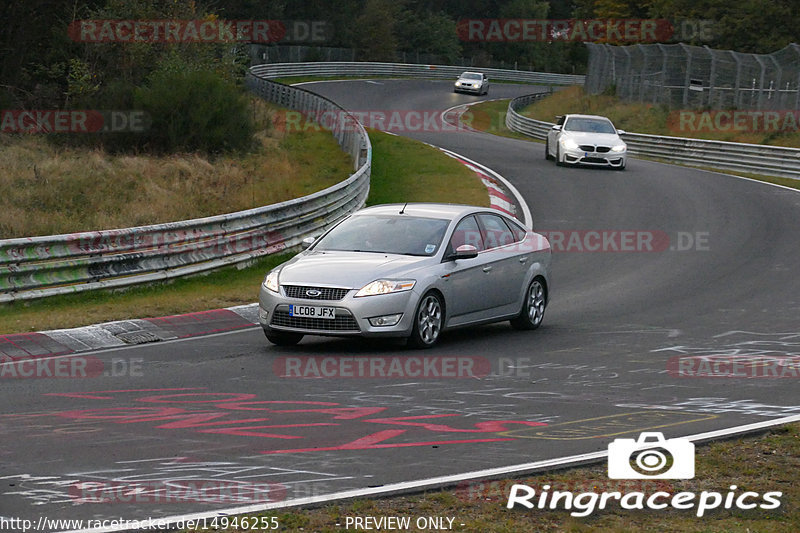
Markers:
(391, 234)
(471, 76)
(592, 125)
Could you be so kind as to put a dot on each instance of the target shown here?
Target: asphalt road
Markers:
(217, 415)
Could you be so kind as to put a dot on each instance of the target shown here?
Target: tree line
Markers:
(42, 66)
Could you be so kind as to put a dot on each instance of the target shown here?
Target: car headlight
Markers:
(385, 286)
(458, 84)
(619, 148)
(569, 144)
(271, 281)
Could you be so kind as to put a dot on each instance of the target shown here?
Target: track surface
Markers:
(595, 371)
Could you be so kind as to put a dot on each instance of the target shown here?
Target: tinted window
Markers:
(593, 125)
(495, 231)
(393, 234)
(467, 232)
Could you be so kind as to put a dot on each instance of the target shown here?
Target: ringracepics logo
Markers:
(649, 457)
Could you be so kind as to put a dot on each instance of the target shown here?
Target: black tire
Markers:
(533, 307)
(428, 321)
(620, 168)
(283, 338)
(547, 155)
(558, 156)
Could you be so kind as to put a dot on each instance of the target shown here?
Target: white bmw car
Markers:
(586, 140)
(472, 82)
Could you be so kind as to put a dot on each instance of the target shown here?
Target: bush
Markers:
(194, 110)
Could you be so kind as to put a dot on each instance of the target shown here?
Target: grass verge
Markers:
(403, 170)
(490, 117)
(48, 189)
(763, 463)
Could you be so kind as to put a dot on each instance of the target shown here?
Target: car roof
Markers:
(424, 209)
(471, 72)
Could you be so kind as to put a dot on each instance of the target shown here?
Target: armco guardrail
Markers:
(755, 158)
(43, 266)
(280, 70)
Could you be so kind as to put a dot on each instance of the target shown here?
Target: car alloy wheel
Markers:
(533, 309)
(428, 321)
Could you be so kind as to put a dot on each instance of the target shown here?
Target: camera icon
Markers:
(651, 457)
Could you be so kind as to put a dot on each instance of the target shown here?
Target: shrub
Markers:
(194, 110)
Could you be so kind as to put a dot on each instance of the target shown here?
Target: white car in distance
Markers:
(472, 82)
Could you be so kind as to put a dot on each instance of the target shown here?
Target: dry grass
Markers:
(46, 189)
(641, 118)
(403, 170)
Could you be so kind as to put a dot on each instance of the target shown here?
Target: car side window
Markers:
(495, 231)
(516, 229)
(467, 232)
(561, 120)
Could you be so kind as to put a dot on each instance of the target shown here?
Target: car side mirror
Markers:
(308, 241)
(556, 128)
(621, 132)
(465, 251)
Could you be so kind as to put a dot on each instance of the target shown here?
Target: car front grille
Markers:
(593, 148)
(340, 323)
(594, 160)
(325, 293)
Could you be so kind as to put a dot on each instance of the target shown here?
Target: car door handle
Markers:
(487, 269)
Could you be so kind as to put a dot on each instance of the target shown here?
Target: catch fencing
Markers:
(61, 264)
(693, 77)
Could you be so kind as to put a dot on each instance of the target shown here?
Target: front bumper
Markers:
(351, 314)
(596, 159)
(473, 89)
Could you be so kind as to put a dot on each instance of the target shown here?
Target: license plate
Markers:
(312, 311)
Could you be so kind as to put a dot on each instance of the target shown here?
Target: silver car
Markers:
(409, 271)
(472, 82)
(586, 140)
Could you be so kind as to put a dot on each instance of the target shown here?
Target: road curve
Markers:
(712, 277)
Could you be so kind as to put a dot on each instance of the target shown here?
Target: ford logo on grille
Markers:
(313, 293)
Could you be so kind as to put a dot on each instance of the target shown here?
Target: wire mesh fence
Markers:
(694, 77)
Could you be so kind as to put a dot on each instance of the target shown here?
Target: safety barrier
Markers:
(754, 158)
(371, 69)
(60, 264)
